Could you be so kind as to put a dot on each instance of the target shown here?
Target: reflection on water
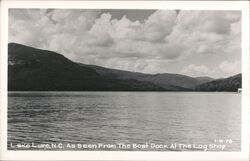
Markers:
(124, 117)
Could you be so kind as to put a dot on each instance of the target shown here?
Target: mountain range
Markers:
(31, 69)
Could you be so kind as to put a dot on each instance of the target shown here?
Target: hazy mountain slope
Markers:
(35, 69)
(227, 84)
(204, 79)
(114, 73)
(164, 80)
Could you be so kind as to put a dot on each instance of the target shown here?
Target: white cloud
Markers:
(197, 70)
(230, 68)
(91, 36)
(159, 25)
(225, 69)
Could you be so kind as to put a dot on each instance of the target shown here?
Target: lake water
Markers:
(198, 120)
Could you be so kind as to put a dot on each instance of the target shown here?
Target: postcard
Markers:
(125, 80)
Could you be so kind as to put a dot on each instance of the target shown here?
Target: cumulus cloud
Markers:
(197, 70)
(230, 67)
(164, 37)
(225, 69)
(159, 25)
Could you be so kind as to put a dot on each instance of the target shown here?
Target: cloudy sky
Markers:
(194, 43)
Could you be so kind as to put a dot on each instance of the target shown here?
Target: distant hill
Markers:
(31, 69)
(227, 84)
(165, 80)
(204, 79)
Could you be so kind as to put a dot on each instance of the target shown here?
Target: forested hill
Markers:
(31, 69)
(227, 84)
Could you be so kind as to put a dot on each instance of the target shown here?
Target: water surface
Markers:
(124, 117)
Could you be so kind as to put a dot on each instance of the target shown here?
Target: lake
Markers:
(150, 121)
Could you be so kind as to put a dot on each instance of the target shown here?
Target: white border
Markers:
(100, 155)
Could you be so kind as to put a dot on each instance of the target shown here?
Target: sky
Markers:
(189, 42)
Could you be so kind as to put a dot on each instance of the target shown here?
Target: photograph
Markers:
(116, 81)
(164, 80)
